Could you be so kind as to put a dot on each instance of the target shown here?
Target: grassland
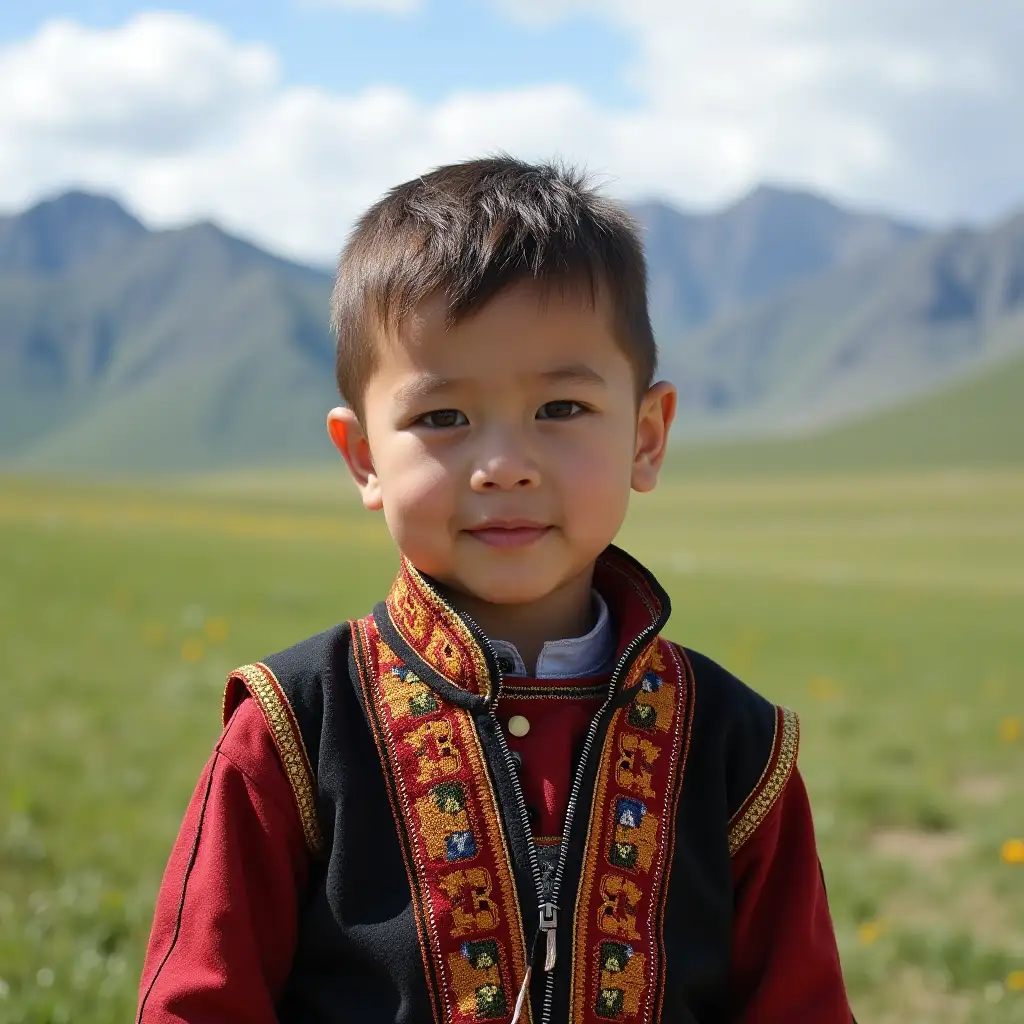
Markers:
(887, 610)
(977, 421)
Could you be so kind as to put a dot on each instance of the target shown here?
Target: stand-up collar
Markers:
(450, 652)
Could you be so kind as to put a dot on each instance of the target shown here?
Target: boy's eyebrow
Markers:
(426, 385)
(574, 373)
(423, 386)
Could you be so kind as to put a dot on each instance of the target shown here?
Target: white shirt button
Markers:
(518, 725)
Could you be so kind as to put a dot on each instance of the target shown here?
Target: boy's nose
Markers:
(504, 473)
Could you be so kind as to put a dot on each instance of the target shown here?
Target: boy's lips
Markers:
(509, 533)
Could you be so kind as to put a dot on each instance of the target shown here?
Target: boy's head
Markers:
(496, 355)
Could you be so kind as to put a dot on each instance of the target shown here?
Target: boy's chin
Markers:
(509, 588)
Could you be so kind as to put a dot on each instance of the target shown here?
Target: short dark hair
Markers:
(470, 230)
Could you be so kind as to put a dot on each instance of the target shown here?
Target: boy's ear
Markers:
(349, 438)
(654, 420)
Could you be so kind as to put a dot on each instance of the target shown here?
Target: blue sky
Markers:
(447, 46)
(283, 120)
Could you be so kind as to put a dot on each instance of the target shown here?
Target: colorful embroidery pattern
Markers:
(457, 859)
(772, 782)
(618, 959)
(266, 691)
(435, 633)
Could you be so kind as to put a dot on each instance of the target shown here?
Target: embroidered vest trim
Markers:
(618, 954)
(455, 849)
(777, 771)
(265, 689)
(438, 635)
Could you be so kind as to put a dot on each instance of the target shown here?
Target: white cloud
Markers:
(912, 107)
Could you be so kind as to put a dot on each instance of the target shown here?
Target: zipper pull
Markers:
(549, 925)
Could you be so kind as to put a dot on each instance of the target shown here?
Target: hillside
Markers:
(63, 233)
(172, 350)
(705, 266)
(123, 348)
(977, 422)
(863, 336)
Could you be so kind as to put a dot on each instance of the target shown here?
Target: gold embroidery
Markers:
(473, 909)
(622, 981)
(617, 915)
(773, 780)
(635, 839)
(618, 963)
(266, 690)
(629, 773)
(477, 982)
(654, 705)
(467, 913)
(436, 632)
(444, 823)
(407, 694)
(433, 744)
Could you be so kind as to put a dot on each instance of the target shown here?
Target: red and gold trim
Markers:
(436, 633)
(618, 958)
(773, 780)
(262, 684)
(448, 820)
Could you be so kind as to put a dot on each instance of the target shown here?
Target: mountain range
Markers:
(124, 348)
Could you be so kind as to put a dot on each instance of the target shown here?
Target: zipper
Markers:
(624, 663)
(548, 909)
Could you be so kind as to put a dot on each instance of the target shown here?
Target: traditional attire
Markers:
(398, 825)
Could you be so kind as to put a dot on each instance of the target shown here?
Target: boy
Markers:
(503, 796)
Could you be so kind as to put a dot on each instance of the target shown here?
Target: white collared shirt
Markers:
(572, 658)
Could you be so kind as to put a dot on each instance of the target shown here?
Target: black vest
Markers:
(364, 953)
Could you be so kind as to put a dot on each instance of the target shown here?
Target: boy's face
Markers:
(503, 450)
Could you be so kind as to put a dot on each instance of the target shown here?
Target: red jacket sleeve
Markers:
(785, 964)
(226, 917)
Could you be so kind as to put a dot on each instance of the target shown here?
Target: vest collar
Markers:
(450, 652)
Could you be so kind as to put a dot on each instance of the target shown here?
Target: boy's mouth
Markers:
(509, 533)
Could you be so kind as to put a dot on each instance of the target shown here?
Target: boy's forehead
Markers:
(525, 325)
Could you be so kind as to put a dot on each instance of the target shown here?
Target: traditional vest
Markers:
(425, 901)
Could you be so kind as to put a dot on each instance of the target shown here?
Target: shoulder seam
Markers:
(265, 689)
(283, 805)
(777, 770)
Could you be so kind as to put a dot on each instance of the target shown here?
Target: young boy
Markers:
(503, 795)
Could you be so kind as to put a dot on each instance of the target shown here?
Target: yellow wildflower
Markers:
(1012, 851)
(216, 630)
(823, 688)
(1015, 981)
(1009, 730)
(869, 932)
(192, 651)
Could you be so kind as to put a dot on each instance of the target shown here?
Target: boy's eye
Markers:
(442, 418)
(559, 410)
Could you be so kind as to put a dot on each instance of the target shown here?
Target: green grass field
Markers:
(887, 610)
(976, 420)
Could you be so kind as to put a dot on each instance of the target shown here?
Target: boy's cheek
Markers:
(417, 500)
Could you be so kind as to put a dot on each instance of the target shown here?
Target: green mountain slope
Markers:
(862, 336)
(977, 422)
(126, 349)
(190, 349)
(704, 266)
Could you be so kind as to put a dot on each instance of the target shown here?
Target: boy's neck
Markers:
(565, 612)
